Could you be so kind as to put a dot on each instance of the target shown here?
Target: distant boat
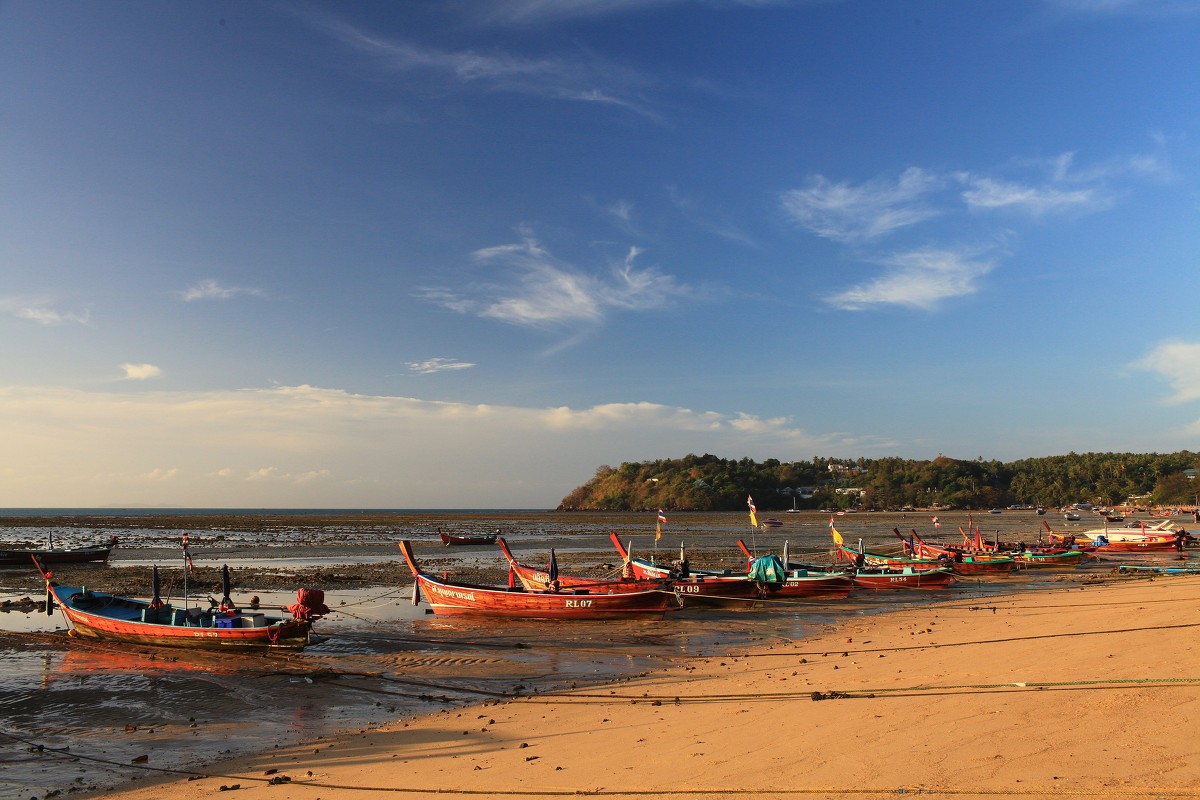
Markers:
(1071, 516)
(449, 539)
(771, 523)
(20, 557)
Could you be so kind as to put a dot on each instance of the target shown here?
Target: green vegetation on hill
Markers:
(709, 483)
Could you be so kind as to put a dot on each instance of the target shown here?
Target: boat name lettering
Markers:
(687, 588)
(468, 596)
(579, 604)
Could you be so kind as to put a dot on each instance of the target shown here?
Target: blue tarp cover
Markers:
(768, 569)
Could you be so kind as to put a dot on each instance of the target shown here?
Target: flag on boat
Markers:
(662, 520)
(753, 512)
(936, 523)
(187, 556)
(831, 520)
(837, 537)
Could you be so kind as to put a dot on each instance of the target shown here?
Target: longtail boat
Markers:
(875, 573)
(696, 587)
(765, 579)
(449, 539)
(457, 598)
(540, 580)
(19, 557)
(963, 563)
(1160, 538)
(99, 615)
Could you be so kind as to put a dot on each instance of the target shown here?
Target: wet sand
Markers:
(1083, 685)
(1089, 691)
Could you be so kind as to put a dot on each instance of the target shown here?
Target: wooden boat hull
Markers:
(53, 556)
(904, 578)
(113, 618)
(460, 541)
(454, 598)
(1140, 546)
(1030, 560)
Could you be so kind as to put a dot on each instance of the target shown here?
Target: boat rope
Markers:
(922, 690)
(276, 777)
(936, 645)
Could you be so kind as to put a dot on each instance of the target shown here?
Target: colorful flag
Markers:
(753, 512)
(831, 520)
(837, 537)
(936, 523)
(187, 557)
(662, 520)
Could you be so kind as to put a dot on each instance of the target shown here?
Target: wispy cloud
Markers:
(986, 193)
(38, 311)
(848, 212)
(432, 365)
(538, 290)
(577, 78)
(920, 279)
(1134, 8)
(212, 290)
(1178, 363)
(140, 372)
(535, 11)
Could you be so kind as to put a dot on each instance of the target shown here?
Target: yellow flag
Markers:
(837, 537)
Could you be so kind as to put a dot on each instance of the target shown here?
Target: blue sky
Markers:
(461, 254)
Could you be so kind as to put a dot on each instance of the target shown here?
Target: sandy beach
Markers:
(1083, 691)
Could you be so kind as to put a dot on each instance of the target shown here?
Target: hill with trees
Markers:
(710, 483)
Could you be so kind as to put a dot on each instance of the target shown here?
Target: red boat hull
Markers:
(287, 634)
(904, 579)
(453, 598)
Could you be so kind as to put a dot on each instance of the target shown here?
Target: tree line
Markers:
(710, 483)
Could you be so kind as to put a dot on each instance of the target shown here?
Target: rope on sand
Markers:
(276, 778)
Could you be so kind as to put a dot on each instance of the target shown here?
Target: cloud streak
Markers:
(1178, 364)
(581, 79)
(212, 290)
(920, 279)
(431, 366)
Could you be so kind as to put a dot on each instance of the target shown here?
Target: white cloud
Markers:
(576, 79)
(919, 279)
(987, 193)
(535, 289)
(1177, 363)
(36, 310)
(432, 365)
(211, 290)
(304, 446)
(140, 372)
(850, 213)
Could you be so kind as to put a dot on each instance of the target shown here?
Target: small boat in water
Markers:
(20, 557)
(449, 539)
(99, 615)
(456, 598)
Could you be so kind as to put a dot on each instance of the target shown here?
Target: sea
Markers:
(76, 716)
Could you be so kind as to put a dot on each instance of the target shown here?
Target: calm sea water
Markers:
(77, 716)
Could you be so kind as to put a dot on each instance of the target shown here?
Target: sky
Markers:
(463, 253)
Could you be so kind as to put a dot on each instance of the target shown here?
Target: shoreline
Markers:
(1086, 689)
